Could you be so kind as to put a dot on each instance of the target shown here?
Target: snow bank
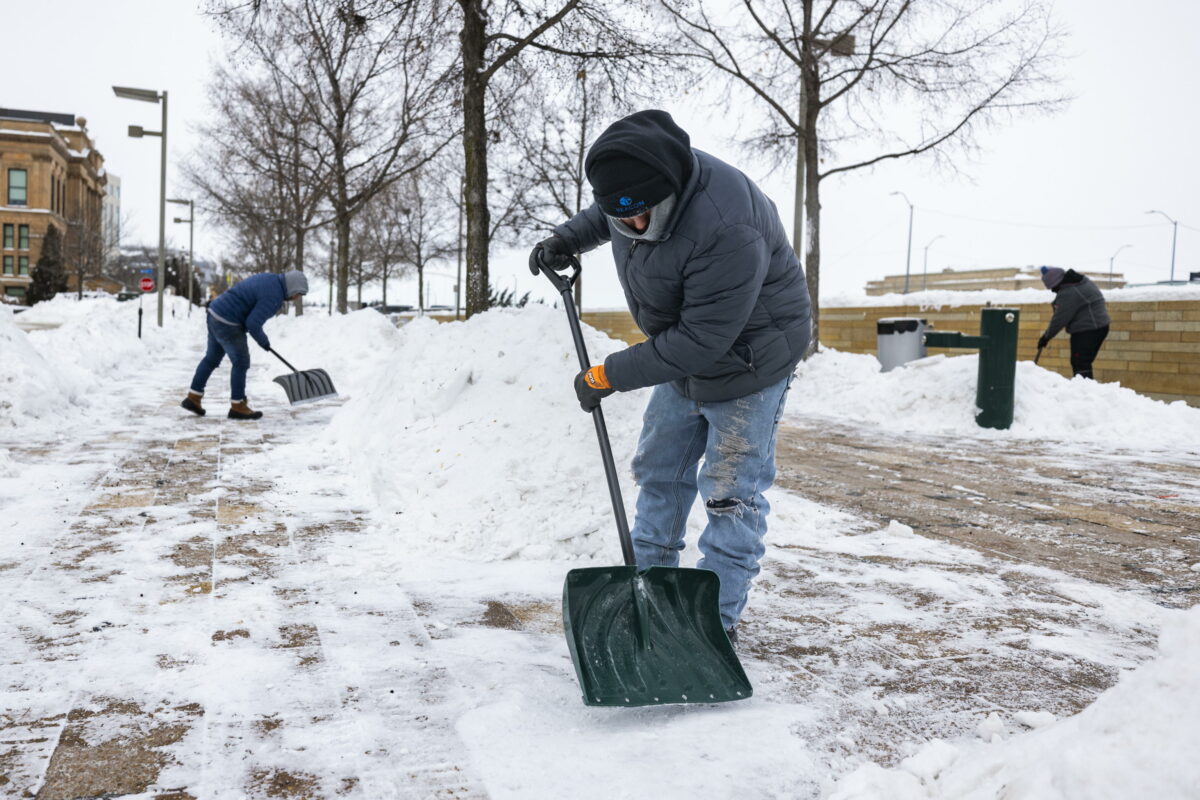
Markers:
(469, 432)
(1136, 740)
(947, 298)
(47, 375)
(936, 395)
(31, 388)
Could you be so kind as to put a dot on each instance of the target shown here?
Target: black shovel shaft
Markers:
(564, 284)
(1039, 355)
(285, 361)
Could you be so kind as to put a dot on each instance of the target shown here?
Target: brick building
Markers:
(50, 174)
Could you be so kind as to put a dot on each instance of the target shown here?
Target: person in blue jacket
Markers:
(711, 278)
(243, 309)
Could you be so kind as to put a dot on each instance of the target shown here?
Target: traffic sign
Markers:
(147, 284)
(147, 271)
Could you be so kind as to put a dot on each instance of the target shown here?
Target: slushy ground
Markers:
(360, 598)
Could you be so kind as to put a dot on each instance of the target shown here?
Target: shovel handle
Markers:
(564, 284)
(284, 360)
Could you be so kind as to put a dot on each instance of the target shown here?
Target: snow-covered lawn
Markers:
(358, 598)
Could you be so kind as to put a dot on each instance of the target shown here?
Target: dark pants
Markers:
(1084, 347)
(223, 339)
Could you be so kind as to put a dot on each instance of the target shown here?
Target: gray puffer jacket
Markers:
(1079, 306)
(721, 296)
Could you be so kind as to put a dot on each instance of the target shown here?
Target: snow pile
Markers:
(936, 395)
(47, 375)
(31, 388)
(950, 298)
(470, 433)
(1136, 740)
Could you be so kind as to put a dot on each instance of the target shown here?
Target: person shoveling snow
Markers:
(712, 280)
(243, 309)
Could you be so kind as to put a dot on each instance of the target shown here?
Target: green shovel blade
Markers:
(649, 638)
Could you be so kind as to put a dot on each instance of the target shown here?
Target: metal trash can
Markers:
(900, 340)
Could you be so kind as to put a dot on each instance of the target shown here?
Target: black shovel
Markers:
(643, 637)
(305, 386)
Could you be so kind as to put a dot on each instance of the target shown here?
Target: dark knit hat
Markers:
(1052, 276)
(625, 186)
(638, 162)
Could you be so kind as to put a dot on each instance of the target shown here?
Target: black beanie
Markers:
(638, 162)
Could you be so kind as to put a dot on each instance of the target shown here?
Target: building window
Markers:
(8, 265)
(17, 187)
(16, 291)
(22, 265)
(22, 237)
(8, 236)
(54, 193)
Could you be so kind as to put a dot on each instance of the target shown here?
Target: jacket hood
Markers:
(637, 162)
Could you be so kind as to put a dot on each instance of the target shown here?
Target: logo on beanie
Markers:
(625, 202)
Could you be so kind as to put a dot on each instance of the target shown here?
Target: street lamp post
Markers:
(908, 258)
(191, 232)
(1110, 263)
(925, 266)
(137, 132)
(1174, 235)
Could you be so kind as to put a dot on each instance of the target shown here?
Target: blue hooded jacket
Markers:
(251, 303)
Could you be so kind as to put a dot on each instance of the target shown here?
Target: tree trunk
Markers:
(300, 266)
(343, 260)
(421, 289)
(385, 277)
(475, 155)
(812, 177)
(332, 258)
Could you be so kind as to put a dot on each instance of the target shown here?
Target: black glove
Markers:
(1042, 342)
(554, 253)
(589, 396)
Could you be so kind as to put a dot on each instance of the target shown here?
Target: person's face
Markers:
(638, 223)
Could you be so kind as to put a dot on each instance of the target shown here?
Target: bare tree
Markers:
(549, 142)
(369, 78)
(272, 175)
(873, 81)
(496, 36)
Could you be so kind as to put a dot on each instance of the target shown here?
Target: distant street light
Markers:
(1174, 234)
(1110, 263)
(908, 259)
(191, 230)
(925, 266)
(137, 132)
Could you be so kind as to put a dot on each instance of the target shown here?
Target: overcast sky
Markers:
(1069, 189)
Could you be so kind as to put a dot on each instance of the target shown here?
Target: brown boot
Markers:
(192, 404)
(240, 409)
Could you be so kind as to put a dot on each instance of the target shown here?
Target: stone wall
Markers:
(1152, 347)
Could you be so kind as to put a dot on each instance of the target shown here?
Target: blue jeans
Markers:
(224, 338)
(736, 438)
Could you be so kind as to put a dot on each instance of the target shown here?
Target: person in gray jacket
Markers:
(711, 279)
(1080, 308)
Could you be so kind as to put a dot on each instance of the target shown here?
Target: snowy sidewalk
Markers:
(360, 598)
(182, 631)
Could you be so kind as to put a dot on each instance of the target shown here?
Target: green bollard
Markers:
(994, 392)
(997, 343)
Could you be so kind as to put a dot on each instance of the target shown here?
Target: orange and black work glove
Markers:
(590, 386)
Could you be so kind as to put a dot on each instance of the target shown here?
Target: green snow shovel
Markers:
(305, 386)
(643, 637)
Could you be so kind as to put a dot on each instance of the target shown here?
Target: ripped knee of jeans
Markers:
(727, 505)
